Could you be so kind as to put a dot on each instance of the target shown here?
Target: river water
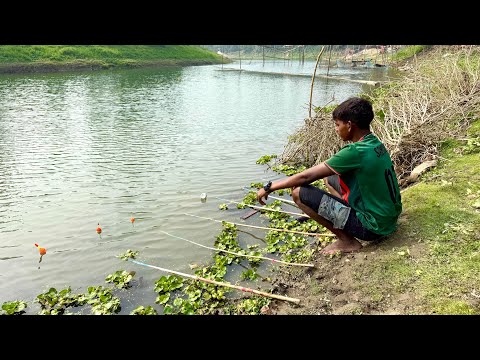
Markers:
(87, 148)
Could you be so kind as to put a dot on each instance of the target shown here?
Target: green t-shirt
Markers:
(369, 183)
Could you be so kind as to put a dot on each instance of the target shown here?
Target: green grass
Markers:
(114, 54)
(441, 219)
(23, 58)
(407, 52)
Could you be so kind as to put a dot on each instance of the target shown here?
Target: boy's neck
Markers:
(358, 135)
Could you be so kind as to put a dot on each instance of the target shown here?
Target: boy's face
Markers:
(343, 129)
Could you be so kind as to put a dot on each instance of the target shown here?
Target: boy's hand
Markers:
(262, 194)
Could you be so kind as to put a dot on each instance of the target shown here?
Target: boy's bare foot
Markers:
(342, 246)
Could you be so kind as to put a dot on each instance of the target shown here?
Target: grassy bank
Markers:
(44, 58)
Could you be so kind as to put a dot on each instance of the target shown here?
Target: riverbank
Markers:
(430, 265)
(55, 58)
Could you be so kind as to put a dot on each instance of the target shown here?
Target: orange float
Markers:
(43, 251)
(99, 229)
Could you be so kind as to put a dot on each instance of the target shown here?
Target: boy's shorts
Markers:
(335, 210)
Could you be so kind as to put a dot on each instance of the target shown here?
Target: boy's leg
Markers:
(345, 243)
(332, 183)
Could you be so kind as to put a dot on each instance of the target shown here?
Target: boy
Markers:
(364, 198)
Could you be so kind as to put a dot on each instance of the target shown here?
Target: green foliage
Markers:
(227, 240)
(254, 261)
(407, 52)
(249, 274)
(455, 307)
(168, 283)
(474, 129)
(120, 278)
(110, 55)
(129, 254)
(256, 185)
(102, 300)
(249, 199)
(141, 310)
(265, 159)
(14, 307)
(274, 215)
(252, 306)
(288, 169)
(54, 302)
(223, 207)
(325, 109)
(299, 256)
(472, 146)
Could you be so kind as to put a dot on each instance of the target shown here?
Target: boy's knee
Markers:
(296, 194)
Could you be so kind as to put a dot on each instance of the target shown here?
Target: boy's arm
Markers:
(305, 177)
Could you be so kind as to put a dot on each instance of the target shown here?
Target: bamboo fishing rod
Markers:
(262, 227)
(262, 208)
(289, 202)
(194, 277)
(237, 254)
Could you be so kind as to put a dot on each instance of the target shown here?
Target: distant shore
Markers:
(54, 58)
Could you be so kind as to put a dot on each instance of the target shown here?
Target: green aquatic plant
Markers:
(141, 310)
(223, 207)
(14, 307)
(121, 278)
(54, 302)
(102, 300)
(129, 254)
(165, 285)
(252, 306)
(249, 274)
(288, 169)
(299, 256)
(265, 159)
(249, 199)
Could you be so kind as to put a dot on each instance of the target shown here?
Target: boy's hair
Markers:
(356, 110)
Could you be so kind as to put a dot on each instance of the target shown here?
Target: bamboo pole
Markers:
(237, 254)
(262, 208)
(194, 277)
(263, 227)
(329, 57)
(313, 79)
(290, 202)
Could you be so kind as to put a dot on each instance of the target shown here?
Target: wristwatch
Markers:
(267, 186)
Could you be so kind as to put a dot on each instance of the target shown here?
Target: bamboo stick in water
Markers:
(194, 277)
